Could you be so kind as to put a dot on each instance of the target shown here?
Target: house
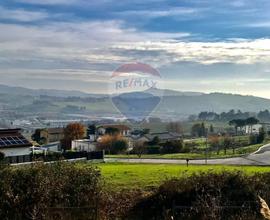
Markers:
(53, 147)
(255, 129)
(164, 136)
(132, 140)
(124, 130)
(84, 145)
(13, 143)
(51, 135)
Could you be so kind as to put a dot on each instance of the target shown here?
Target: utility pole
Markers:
(206, 146)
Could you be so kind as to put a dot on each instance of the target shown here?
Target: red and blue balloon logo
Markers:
(136, 90)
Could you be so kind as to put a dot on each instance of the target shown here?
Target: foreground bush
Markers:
(35, 191)
(206, 196)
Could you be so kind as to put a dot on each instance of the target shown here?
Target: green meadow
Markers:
(119, 176)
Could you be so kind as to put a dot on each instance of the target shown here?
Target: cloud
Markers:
(85, 2)
(85, 41)
(48, 2)
(22, 15)
(238, 52)
(174, 11)
(260, 24)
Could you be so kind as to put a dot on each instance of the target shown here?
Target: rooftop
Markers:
(55, 130)
(118, 126)
(163, 135)
(10, 138)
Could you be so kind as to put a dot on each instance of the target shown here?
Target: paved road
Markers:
(260, 157)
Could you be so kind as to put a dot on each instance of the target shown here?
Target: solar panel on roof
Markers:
(13, 140)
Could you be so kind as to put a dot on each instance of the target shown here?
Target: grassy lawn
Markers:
(238, 152)
(119, 176)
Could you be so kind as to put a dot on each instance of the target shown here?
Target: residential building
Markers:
(84, 145)
(163, 136)
(255, 129)
(53, 147)
(124, 130)
(52, 134)
(13, 143)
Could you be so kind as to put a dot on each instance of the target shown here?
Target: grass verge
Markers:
(241, 151)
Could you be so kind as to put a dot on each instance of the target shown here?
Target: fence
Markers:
(54, 157)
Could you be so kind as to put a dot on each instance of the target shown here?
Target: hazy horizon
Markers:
(106, 93)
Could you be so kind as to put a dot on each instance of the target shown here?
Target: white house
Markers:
(255, 129)
(84, 145)
(124, 130)
(12, 143)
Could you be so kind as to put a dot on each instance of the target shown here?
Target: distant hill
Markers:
(49, 92)
(216, 102)
(173, 104)
(168, 92)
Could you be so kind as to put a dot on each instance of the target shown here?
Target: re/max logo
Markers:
(135, 82)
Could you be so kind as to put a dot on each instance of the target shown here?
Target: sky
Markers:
(196, 45)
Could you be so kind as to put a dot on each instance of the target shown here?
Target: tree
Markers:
(175, 127)
(198, 130)
(211, 129)
(261, 135)
(113, 143)
(119, 146)
(91, 130)
(264, 115)
(237, 123)
(36, 137)
(227, 142)
(73, 131)
(214, 142)
(106, 141)
(250, 122)
(139, 148)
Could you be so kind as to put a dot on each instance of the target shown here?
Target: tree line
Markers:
(263, 115)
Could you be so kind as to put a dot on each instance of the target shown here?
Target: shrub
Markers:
(191, 144)
(119, 146)
(253, 139)
(155, 141)
(28, 192)
(206, 196)
(171, 147)
(2, 156)
(153, 149)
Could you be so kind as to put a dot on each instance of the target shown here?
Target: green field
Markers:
(119, 176)
(241, 151)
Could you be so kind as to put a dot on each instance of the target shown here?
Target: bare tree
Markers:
(139, 148)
